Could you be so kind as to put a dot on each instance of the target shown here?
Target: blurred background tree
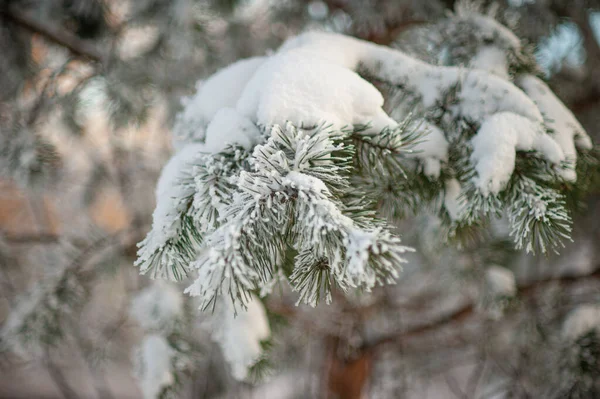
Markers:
(89, 90)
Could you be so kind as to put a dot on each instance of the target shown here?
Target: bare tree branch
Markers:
(468, 310)
(54, 34)
(40, 238)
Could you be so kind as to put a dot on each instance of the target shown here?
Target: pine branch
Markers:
(538, 218)
(204, 190)
(293, 198)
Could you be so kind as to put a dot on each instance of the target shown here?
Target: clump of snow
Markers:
(491, 59)
(157, 306)
(565, 129)
(359, 245)
(496, 143)
(153, 365)
(312, 80)
(563, 47)
(222, 90)
(240, 335)
(432, 148)
(500, 281)
(582, 320)
(309, 90)
(453, 202)
(484, 98)
(229, 127)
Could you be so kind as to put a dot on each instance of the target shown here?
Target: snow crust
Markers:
(495, 57)
(484, 98)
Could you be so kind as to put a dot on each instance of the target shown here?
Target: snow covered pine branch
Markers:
(293, 167)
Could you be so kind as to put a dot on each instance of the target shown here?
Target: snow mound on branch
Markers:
(487, 26)
(481, 97)
(432, 150)
(221, 90)
(491, 59)
(312, 80)
(229, 127)
(495, 144)
(566, 130)
(306, 90)
(240, 335)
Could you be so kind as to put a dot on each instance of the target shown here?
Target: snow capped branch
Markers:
(297, 155)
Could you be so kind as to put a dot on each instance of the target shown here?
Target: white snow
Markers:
(240, 336)
(157, 306)
(563, 47)
(567, 131)
(500, 281)
(582, 320)
(311, 80)
(308, 90)
(491, 59)
(221, 90)
(484, 98)
(358, 245)
(153, 365)
(312, 184)
(169, 193)
(229, 127)
(453, 201)
(495, 145)
(432, 149)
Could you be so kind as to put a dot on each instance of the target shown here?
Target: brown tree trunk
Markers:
(346, 378)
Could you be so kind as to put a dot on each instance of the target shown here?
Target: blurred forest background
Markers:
(89, 90)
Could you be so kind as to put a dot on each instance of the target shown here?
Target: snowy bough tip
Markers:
(294, 172)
